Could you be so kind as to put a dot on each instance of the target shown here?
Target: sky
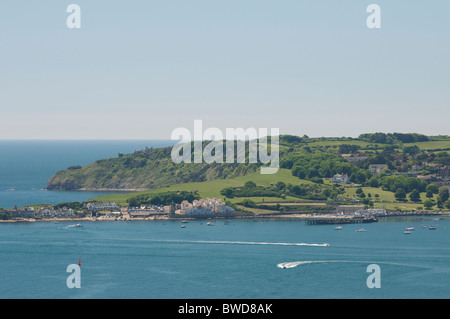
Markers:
(139, 69)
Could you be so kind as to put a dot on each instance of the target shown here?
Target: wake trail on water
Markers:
(294, 264)
(247, 243)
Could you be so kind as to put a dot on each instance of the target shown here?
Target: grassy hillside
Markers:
(142, 170)
(212, 188)
(307, 166)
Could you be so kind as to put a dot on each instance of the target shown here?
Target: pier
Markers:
(340, 220)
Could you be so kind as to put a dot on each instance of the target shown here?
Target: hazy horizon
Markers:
(140, 69)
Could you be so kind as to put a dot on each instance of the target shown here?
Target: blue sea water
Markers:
(26, 166)
(156, 259)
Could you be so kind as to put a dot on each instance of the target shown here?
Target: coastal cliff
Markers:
(147, 169)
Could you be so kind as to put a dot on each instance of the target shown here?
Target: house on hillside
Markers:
(354, 158)
(377, 168)
(340, 179)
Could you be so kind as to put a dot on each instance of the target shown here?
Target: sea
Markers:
(241, 259)
(26, 166)
(235, 259)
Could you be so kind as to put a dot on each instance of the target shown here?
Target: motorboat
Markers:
(432, 228)
(75, 225)
(338, 227)
(360, 230)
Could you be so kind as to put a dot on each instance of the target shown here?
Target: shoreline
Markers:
(180, 218)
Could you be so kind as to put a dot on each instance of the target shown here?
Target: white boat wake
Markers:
(247, 243)
(293, 264)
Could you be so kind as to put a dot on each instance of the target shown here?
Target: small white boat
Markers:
(409, 228)
(184, 221)
(210, 223)
(432, 228)
(360, 230)
(406, 232)
(75, 225)
(338, 227)
(182, 226)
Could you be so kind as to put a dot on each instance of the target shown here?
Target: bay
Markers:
(158, 259)
(26, 166)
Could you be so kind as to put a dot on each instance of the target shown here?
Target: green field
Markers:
(319, 142)
(213, 188)
(435, 143)
(431, 145)
(402, 206)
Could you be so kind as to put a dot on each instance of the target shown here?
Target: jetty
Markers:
(340, 220)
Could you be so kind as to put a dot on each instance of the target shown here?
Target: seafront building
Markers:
(349, 209)
(145, 211)
(25, 212)
(96, 206)
(51, 212)
(205, 207)
(30, 212)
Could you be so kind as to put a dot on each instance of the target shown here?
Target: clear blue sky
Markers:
(141, 68)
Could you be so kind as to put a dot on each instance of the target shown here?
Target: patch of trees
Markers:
(281, 189)
(74, 167)
(408, 184)
(162, 198)
(250, 190)
(391, 138)
(72, 205)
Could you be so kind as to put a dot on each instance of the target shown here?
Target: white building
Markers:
(51, 212)
(377, 168)
(102, 206)
(203, 207)
(341, 179)
(371, 211)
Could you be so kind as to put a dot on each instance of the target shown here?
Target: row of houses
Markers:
(98, 206)
(147, 211)
(30, 212)
(198, 208)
